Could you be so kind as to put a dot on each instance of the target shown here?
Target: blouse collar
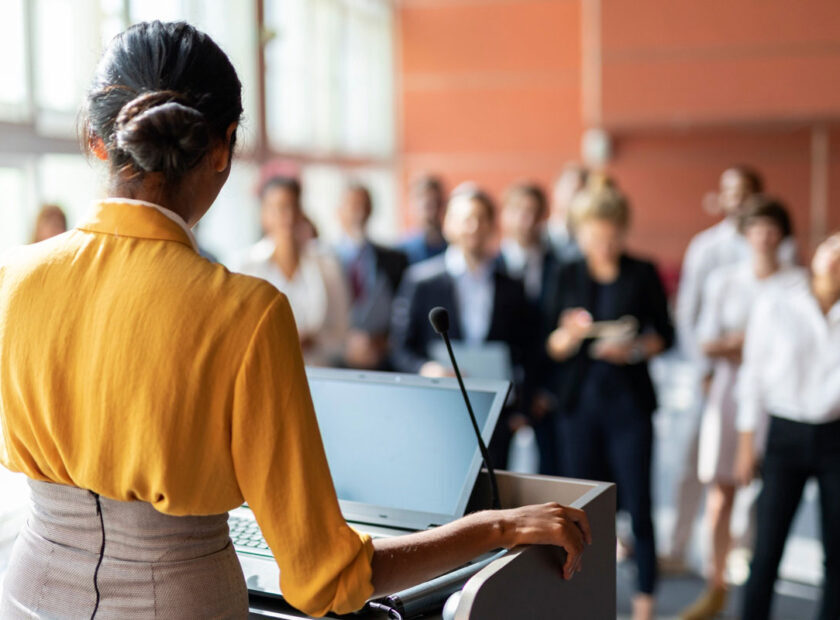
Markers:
(137, 218)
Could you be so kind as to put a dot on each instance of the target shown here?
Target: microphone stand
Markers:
(494, 488)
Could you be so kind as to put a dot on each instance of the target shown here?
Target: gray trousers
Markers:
(153, 565)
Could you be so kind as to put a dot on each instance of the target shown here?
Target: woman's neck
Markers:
(603, 272)
(286, 256)
(765, 265)
(153, 191)
(826, 291)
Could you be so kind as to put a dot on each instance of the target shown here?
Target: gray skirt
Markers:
(153, 565)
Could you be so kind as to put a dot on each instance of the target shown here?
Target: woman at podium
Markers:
(146, 391)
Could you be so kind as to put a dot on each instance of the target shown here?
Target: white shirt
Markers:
(525, 264)
(791, 361)
(474, 291)
(317, 294)
(170, 214)
(709, 250)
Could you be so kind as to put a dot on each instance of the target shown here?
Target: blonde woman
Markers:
(605, 394)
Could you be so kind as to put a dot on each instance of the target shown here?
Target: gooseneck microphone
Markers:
(439, 318)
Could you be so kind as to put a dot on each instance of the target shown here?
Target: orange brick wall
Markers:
(492, 90)
(489, 91)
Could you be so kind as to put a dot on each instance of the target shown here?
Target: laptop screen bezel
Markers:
(387, 516)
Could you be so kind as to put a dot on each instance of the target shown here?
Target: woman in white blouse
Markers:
(311, 278)
(791, 373)
(728, 296)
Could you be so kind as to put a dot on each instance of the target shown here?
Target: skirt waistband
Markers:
(134, 531)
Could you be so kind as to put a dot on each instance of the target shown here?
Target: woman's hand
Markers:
(726, 347)
(404, 561)
(549, 524)
(573, 326)
(435, 370)
(745, 459)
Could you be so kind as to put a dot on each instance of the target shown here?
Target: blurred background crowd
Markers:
(608, 197)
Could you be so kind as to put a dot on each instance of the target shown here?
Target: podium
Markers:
(527, 582)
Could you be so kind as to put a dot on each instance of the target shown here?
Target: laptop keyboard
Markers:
(246, 536)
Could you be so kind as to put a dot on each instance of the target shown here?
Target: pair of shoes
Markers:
(672, 566)
(709, 605)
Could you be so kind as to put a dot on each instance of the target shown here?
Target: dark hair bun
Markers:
(162, 133)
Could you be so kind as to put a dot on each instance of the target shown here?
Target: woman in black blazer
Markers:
(601, 379)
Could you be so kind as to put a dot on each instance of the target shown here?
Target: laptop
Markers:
(401, 450)
(488, 360)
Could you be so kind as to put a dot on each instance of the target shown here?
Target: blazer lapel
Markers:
(497, 321)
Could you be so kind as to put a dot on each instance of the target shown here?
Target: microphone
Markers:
(439, 318)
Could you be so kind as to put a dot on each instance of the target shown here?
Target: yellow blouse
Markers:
(133, 367)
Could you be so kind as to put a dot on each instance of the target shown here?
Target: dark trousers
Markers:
(795, 452)
(546, 431)
(614, 442)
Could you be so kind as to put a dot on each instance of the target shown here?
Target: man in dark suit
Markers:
(527, 256)
(485, 305)
(373, 274)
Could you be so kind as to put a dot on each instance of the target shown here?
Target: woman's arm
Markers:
(727, 347)
(404, 561)
(714, 342)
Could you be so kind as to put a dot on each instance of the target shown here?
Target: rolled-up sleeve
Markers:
(283, 474)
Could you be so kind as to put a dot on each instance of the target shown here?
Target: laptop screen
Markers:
(402, 442)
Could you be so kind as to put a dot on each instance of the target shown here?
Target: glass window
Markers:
(13, 68)
(68, 43)
(232, 25)
(329, 78)
(16, 207)
(72, 182)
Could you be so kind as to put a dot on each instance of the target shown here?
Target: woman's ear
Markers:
(222, 153)
(97, 147)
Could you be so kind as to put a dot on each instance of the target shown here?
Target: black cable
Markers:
(101, 553)
(393, 614)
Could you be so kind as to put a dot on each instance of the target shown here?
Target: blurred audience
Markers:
(729, 294)
(429, 207)
(49, 222)
(484, 304)
(581, 318)
(560, 234)
(374, 274)
(527, 257)
(791, 374)
(610, 316)
(312, 280)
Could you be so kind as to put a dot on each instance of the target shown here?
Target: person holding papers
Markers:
(610, 317)
(145, 391)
